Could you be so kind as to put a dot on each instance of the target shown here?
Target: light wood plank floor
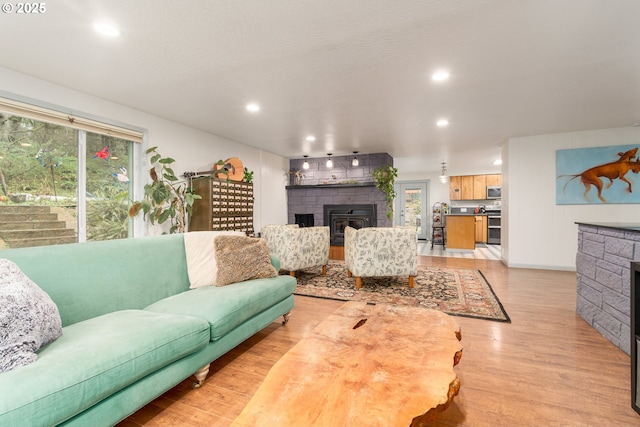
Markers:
(546, 368)
(482, 251)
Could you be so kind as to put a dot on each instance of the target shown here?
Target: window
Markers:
(63, 179)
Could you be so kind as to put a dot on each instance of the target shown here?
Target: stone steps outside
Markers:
(10, 235)
(27, 225)
(20, 217)
(14, 209)
(41, 241)
(31, 225)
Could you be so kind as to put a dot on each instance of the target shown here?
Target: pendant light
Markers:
(305, 165)
(355, 161)
(443, 176)
(329, 161)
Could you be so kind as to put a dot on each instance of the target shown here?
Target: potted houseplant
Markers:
(384, 178)
(166, 198)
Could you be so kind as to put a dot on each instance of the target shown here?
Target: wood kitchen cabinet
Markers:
(467, 187)
(481, 229)
(494, 179)
(455, 188)
(471, 187)
(479, 187)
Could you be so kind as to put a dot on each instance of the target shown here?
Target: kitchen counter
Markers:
(461, 231)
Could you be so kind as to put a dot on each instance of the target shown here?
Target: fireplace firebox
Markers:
(339, 217)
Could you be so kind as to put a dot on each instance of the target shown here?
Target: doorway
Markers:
(412, 202)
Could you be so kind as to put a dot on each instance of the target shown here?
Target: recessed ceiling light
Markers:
(440, 75)
(497, 162)
(106, 29)
(253, 107)
(442, 122)
(310, 138)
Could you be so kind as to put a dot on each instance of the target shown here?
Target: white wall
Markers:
(192, 149)
(438, 192)
(536, 232)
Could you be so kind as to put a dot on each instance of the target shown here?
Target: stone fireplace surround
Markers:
(341, 185)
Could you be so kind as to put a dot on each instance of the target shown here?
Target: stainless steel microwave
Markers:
(494, 192)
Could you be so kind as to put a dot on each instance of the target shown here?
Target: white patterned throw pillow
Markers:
(29, 318)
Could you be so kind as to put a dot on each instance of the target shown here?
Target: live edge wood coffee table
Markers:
(365, 365)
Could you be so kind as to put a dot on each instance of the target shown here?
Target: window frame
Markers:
(84, 122)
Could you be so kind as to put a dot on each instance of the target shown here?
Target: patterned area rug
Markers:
(455, 291)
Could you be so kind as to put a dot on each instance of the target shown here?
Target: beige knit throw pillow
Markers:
(241, 258)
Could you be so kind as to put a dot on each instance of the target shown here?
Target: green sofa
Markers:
(132, 328)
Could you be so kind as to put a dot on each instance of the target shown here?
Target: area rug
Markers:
(459, 292)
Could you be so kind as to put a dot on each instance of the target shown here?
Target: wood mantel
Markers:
(373, 365)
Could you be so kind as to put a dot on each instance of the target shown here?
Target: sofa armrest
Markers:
(275, 261)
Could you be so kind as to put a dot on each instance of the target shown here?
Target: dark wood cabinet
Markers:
(225, 205)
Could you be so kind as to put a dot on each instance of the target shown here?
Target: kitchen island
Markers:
(461, 231)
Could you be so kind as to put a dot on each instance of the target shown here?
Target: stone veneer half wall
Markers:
(603, 267)
(343, 184)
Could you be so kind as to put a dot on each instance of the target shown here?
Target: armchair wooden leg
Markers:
(324, 270)
(349, 273)
(358, 282)
(292, 273)
(411, 281)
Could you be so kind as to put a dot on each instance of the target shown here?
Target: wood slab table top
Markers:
(373, 365)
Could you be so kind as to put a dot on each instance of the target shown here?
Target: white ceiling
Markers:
(354, 73)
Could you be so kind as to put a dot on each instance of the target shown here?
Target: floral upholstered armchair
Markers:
(381, 251)
(298, 247)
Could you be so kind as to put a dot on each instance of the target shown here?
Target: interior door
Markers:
(412, 206)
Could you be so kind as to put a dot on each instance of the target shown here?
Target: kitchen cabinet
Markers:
(494, 179)
(479, 187)
(455, 188)
(481, 229)
(467, 187)
(471, 187)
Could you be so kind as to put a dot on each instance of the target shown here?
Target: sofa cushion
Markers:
(28, 318)
(94, 359)
(90, 279)
(226, 307)
(242, 258)
(202, 266)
